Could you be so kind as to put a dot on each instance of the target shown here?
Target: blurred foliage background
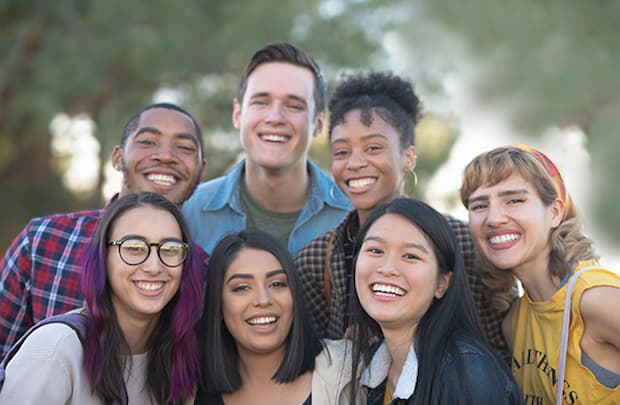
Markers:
(546, 73)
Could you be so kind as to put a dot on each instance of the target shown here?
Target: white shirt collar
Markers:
(377, 372)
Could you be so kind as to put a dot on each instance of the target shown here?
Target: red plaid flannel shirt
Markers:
(40, 272)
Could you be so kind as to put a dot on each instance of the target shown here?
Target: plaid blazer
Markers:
(330, 320)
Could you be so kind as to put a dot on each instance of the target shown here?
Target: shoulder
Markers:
(455, 222)
(459, 227)
(51, 230)
(50, 361)
(310, 262)
(317, 247)
(50, 341)
(216, 191)
(334, 351)
(204, 191)
(594, 275)
(314, 251)
(476, 364)
(56, 230)
(474, 356)
(597, 291)
(334, 360)
(332, 371)
(65, 219)
(60, 225)
(40, 224)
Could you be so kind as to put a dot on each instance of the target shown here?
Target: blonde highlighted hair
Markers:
(568, 242)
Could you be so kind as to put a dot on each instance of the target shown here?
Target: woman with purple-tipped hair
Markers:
(143, 286)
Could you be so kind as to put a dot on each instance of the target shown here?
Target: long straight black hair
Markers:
(447, 320)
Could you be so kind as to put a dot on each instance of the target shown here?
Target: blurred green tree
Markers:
(108, 58)
(546, 63)
(541, 63)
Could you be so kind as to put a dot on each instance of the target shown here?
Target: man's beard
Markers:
(128, 186)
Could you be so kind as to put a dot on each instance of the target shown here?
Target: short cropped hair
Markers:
(286, 52)
(132, 124)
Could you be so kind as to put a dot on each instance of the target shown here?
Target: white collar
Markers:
(377, 372)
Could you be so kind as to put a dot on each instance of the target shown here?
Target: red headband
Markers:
(553, 173)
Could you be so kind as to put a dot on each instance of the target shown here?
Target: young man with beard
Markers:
(161, 151)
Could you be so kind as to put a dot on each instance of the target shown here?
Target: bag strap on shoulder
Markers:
(565, 324)
(77, 321)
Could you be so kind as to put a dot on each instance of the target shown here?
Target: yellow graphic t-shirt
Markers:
(537, 332)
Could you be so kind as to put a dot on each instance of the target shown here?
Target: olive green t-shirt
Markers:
(278, 224)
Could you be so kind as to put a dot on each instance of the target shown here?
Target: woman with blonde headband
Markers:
(565, 330)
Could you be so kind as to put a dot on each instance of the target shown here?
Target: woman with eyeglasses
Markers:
(143, 287)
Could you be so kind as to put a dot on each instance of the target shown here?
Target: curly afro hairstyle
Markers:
(383, 93)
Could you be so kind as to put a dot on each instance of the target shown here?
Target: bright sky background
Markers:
(483, 126)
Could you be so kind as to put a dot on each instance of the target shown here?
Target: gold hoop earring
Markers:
(413, 183)
(333, 193)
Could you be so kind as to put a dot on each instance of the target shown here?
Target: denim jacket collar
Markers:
(227, 192)
(322, 191)
(379, 367)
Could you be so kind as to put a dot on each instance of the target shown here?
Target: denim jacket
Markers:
(485, 380)
(215, 209)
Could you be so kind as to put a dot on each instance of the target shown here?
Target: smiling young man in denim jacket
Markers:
(276, 188)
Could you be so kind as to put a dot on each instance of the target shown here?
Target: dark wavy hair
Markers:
(389, 96)
(173, 367)
(286, 52)
(218, 351)
(449, 319)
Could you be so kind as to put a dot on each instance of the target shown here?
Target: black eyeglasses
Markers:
(134, 250)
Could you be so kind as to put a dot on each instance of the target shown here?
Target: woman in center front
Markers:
(257, 343)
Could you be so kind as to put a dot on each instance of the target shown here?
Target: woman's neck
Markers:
(258, 367)
(137, 332)
(258, 385)
(398, 343)
(540, 286)
(536, 277)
